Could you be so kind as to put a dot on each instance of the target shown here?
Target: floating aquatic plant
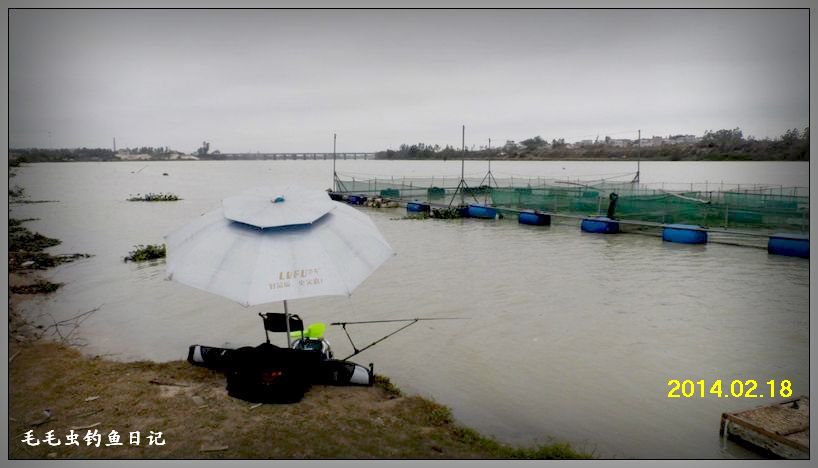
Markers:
(38, 287)
(446, 213)
(152, 197)
(143, 253)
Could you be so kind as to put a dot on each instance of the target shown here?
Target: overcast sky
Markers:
(286, 80)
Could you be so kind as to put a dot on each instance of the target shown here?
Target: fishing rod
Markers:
(411, 322)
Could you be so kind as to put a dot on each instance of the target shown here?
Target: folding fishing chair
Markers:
(277, 322)
(309, 339)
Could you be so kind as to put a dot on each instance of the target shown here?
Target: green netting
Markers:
(706, 209)
(772, 208)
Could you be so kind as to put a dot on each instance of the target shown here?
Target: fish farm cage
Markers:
(734, 213)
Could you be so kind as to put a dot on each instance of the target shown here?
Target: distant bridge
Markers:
(297, 156)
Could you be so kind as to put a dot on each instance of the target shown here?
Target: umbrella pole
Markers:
(287, 320)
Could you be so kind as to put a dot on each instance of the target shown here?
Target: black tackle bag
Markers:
(269, 374)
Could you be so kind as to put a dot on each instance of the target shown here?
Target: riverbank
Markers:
(55, 392)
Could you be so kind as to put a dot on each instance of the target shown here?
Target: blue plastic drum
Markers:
(599, 225)
(481, 211)
(534, 218)
(684, 234)
(417, 207)
(791, 245)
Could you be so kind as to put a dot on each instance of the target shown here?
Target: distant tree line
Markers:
(63, 154)
(24, 155)
(719, 145)
(725, 144)
(157, 151)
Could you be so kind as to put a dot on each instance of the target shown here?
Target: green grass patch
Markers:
(554, 451)
(391, 389)
(427, 413)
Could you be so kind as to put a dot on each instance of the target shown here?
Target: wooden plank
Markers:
(800, 428)
(762, 431)
(780, 428)
(749, 436)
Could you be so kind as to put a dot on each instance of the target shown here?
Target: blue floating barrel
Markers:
(684, 234)
(356, 199)
(481, 211)
(417, 207)
(534, 218)
(792, 245)
(600, 225)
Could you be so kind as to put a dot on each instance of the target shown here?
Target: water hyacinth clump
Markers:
(446, 213)
(143, 253)
(419, 216)
(151, 197)
(38, 287)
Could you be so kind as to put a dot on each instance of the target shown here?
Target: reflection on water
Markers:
(569, 335)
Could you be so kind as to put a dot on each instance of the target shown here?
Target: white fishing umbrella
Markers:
(268, 245)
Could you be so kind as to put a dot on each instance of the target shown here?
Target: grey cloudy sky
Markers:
(286, 80)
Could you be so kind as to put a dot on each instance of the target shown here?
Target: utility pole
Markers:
(463, 155)
(638, 155)
(334, 174)
(461, 187)
(489, 149)
(489, 176)
(114, 145)
(463, 164)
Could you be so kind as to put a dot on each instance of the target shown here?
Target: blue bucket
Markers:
(791, 245)
(599, 225)
(684, 234)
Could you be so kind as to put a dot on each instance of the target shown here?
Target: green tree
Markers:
(723, 140)
(532, 144)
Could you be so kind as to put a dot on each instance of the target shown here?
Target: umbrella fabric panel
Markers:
(254, 266)
(267, 207)
(331, 257)
(210, 254)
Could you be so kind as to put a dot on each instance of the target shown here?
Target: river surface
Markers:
(570, 336)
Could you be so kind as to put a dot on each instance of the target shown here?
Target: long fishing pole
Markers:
(399, 320)
(411, 322)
